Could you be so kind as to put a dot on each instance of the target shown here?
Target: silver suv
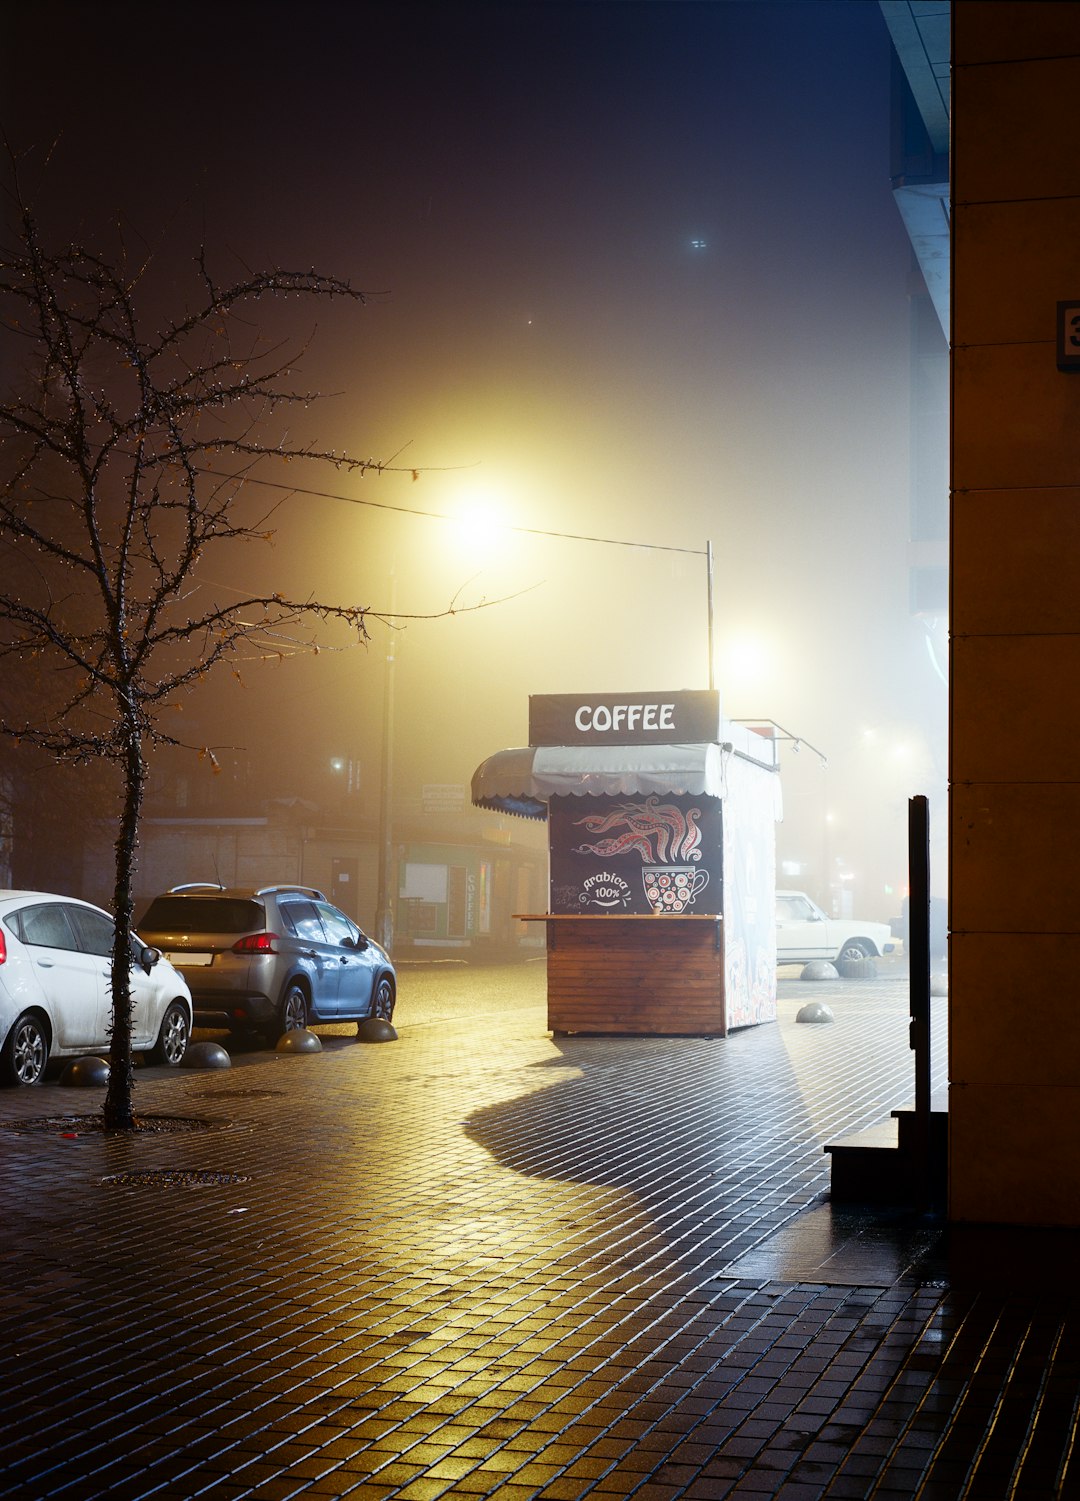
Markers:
(270, 960)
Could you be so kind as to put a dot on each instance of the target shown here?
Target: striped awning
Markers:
(521, 781)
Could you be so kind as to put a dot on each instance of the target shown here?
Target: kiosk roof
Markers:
(521, 781)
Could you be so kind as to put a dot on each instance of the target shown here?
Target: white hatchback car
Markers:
(55, 996)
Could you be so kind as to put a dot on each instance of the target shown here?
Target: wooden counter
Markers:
(635, 974)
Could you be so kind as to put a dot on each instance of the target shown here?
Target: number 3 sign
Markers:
(1068, 335)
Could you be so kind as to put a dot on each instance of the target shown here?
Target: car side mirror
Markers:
(148, 957)
(359, 943)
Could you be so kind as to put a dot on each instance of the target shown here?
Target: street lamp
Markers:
(478, 520)
(475, 524)
(384, 911)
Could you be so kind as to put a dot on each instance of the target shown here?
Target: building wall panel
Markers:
(1011, 253)
(1013, 856)
(1016, 560)
(1014, 130)
(1014, 413)
(1003, 682)
(1013, 30)
(1012, 1152)
(1030, 1035)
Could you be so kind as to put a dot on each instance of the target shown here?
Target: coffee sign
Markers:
(689, 717)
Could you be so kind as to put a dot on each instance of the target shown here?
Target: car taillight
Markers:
(3, 947)
(255, 943)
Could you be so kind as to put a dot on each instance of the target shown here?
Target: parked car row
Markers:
(258, 961)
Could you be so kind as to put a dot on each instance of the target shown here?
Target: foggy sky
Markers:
(519, 187)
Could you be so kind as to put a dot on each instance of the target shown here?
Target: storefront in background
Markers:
(657, 813)
(463, 896)
(444, 895)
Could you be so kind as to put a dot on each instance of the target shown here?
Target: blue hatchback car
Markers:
(270, 959)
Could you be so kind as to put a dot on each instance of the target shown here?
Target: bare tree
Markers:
(123, 455)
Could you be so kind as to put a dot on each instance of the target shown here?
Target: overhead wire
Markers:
(381, 505)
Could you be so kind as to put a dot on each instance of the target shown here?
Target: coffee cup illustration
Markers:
(672, 888)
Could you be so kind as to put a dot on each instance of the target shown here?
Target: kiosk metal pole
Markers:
(709, 586)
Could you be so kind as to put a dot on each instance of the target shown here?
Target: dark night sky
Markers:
(524, 183)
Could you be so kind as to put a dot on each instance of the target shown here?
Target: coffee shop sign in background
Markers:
(636, 855)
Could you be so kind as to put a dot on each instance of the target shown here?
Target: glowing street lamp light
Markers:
(479, 529)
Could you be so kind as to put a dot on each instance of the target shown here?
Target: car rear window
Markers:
(48, 927)
(203, 914)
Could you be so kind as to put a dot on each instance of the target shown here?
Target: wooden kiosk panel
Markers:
(635, 974)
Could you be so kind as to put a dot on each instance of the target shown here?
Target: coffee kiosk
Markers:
(661, 842)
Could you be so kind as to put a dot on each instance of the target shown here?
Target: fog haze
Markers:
(635, 272)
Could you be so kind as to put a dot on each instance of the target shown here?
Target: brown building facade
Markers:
(1014, 1095)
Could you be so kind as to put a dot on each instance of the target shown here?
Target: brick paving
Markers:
(481, 1261)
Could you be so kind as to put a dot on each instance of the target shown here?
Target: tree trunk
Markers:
(118, 1106)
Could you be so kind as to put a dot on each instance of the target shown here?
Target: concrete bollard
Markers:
(814, 1011)
(299, 1040)
(819, 969)
(205, 1055)
(86, 1073)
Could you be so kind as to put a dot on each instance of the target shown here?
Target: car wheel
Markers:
(26, 1052)
(855, 948)
(382, 1002)
(173, 1036)
(293, 1013)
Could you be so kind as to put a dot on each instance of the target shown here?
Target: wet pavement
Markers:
(480, 1261)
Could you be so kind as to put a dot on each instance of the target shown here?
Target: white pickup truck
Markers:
(803, 932)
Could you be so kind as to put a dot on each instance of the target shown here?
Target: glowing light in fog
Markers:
(747, 660)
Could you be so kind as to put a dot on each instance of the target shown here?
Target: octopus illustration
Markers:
(620, 845)
(659, 832)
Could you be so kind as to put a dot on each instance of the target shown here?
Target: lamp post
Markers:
(384, 910)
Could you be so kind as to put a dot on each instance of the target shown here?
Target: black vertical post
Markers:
(918, 941)
(711, 625)
(384, 908)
